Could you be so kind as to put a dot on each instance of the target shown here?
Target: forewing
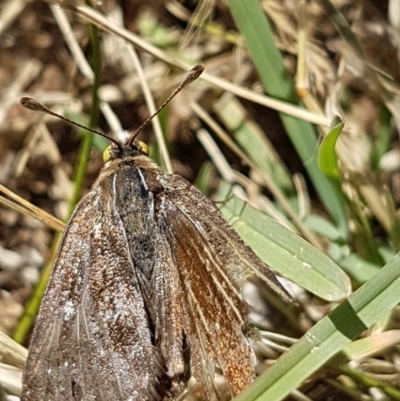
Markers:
(212, 262)
(92, 339)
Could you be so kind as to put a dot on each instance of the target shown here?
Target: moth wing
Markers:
(212, 263)
(92, 339)
(239, 259)
(170, 319)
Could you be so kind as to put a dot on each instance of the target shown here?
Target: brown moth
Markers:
(145, 290)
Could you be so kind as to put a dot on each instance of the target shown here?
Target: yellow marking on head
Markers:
(107, 154)
(143, 147)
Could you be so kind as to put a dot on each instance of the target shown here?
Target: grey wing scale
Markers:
(92, 340)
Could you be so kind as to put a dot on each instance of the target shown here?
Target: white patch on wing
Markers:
(97, 230)
(68, 311)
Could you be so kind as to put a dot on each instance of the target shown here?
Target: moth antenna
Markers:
(34, 105)
(191, 76)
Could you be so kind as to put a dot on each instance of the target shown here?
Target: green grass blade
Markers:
(329, 336)
(342, 26)
(87, 139)
(204, 178)
(358, 268)
(383, 141)
(254, 26)
(252, 140)
(371, 382)
(285, 251)
(327, 157)
(323, 227)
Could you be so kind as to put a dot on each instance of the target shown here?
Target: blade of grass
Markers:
(204, 178)
(382, 142)
(329, 336)
(342, 26)
(253, 141)
(87, 139)
(327, 157)
(24, 207)
(285, 251)
(11, 352)
(358, 268)
(255, 28)
(323, 227)
(371, 382)
(372, 345)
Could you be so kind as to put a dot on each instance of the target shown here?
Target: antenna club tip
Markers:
(31, 104)
(198, 69)
(194, 73)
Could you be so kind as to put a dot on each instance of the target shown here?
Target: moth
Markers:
(145, 290)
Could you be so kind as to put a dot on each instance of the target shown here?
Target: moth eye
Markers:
(107, 154)
(143, 148)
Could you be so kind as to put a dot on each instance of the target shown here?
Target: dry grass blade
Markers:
(13, 357)
(24, 207)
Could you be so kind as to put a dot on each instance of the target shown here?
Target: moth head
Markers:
(114, 151)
